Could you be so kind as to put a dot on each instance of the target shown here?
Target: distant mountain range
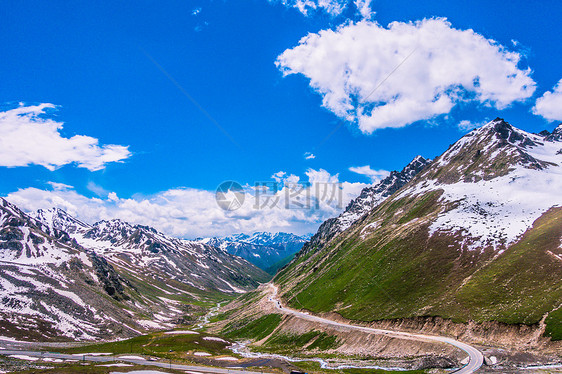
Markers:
(268, 251)
(63, 279)
(474, 235)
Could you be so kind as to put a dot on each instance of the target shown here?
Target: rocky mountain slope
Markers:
(474, 236)
(63, 279)
(51, 288)
(263, 249)
(143, 252)
(369, 198)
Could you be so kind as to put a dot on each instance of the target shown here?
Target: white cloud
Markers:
(331, 7)
(284, 178)
(374, 175)
(97, 189)
(466, 125)
(59, 186)
(364, 8)
(390, 77)
(549, 105)
(309, 156)
(195, 11)
(26, 138)
(189, 213)
(321, 176)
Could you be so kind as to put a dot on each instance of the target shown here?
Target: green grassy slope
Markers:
(387, 267)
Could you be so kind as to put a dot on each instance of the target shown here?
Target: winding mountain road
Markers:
(476, 359)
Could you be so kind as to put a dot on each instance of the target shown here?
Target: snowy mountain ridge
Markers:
(106, 280)
(28, 241)
(59, 219)
(495, 204)
(259, 238)
(144, 251)
(50, 285)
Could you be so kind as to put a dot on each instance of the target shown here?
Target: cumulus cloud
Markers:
(374, 175)
(393, 76)
(549, 105)
(27, 137)
(309, 156)
(293, 205)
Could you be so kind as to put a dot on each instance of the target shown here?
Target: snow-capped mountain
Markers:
(263, 249)
(268, 238)
(496, 181)
(369, 198)
(58, 219)
(476, 235)
(143, 252)
(106, 280)
(51, 288)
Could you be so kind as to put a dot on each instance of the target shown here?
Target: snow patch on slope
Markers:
(498, 211)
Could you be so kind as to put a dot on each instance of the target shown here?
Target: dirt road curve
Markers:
(476, 359)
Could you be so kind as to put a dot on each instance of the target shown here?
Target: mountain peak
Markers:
(56, 218)
(6, 204)
(417, 159)
(506, 133)
(556, 135)
(508, 161)
(266, 250)
(482, 219)
(486, 153)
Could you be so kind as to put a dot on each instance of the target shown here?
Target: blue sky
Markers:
(121, 73)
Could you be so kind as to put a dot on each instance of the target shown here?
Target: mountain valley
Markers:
(267, 251)
(466, 247)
